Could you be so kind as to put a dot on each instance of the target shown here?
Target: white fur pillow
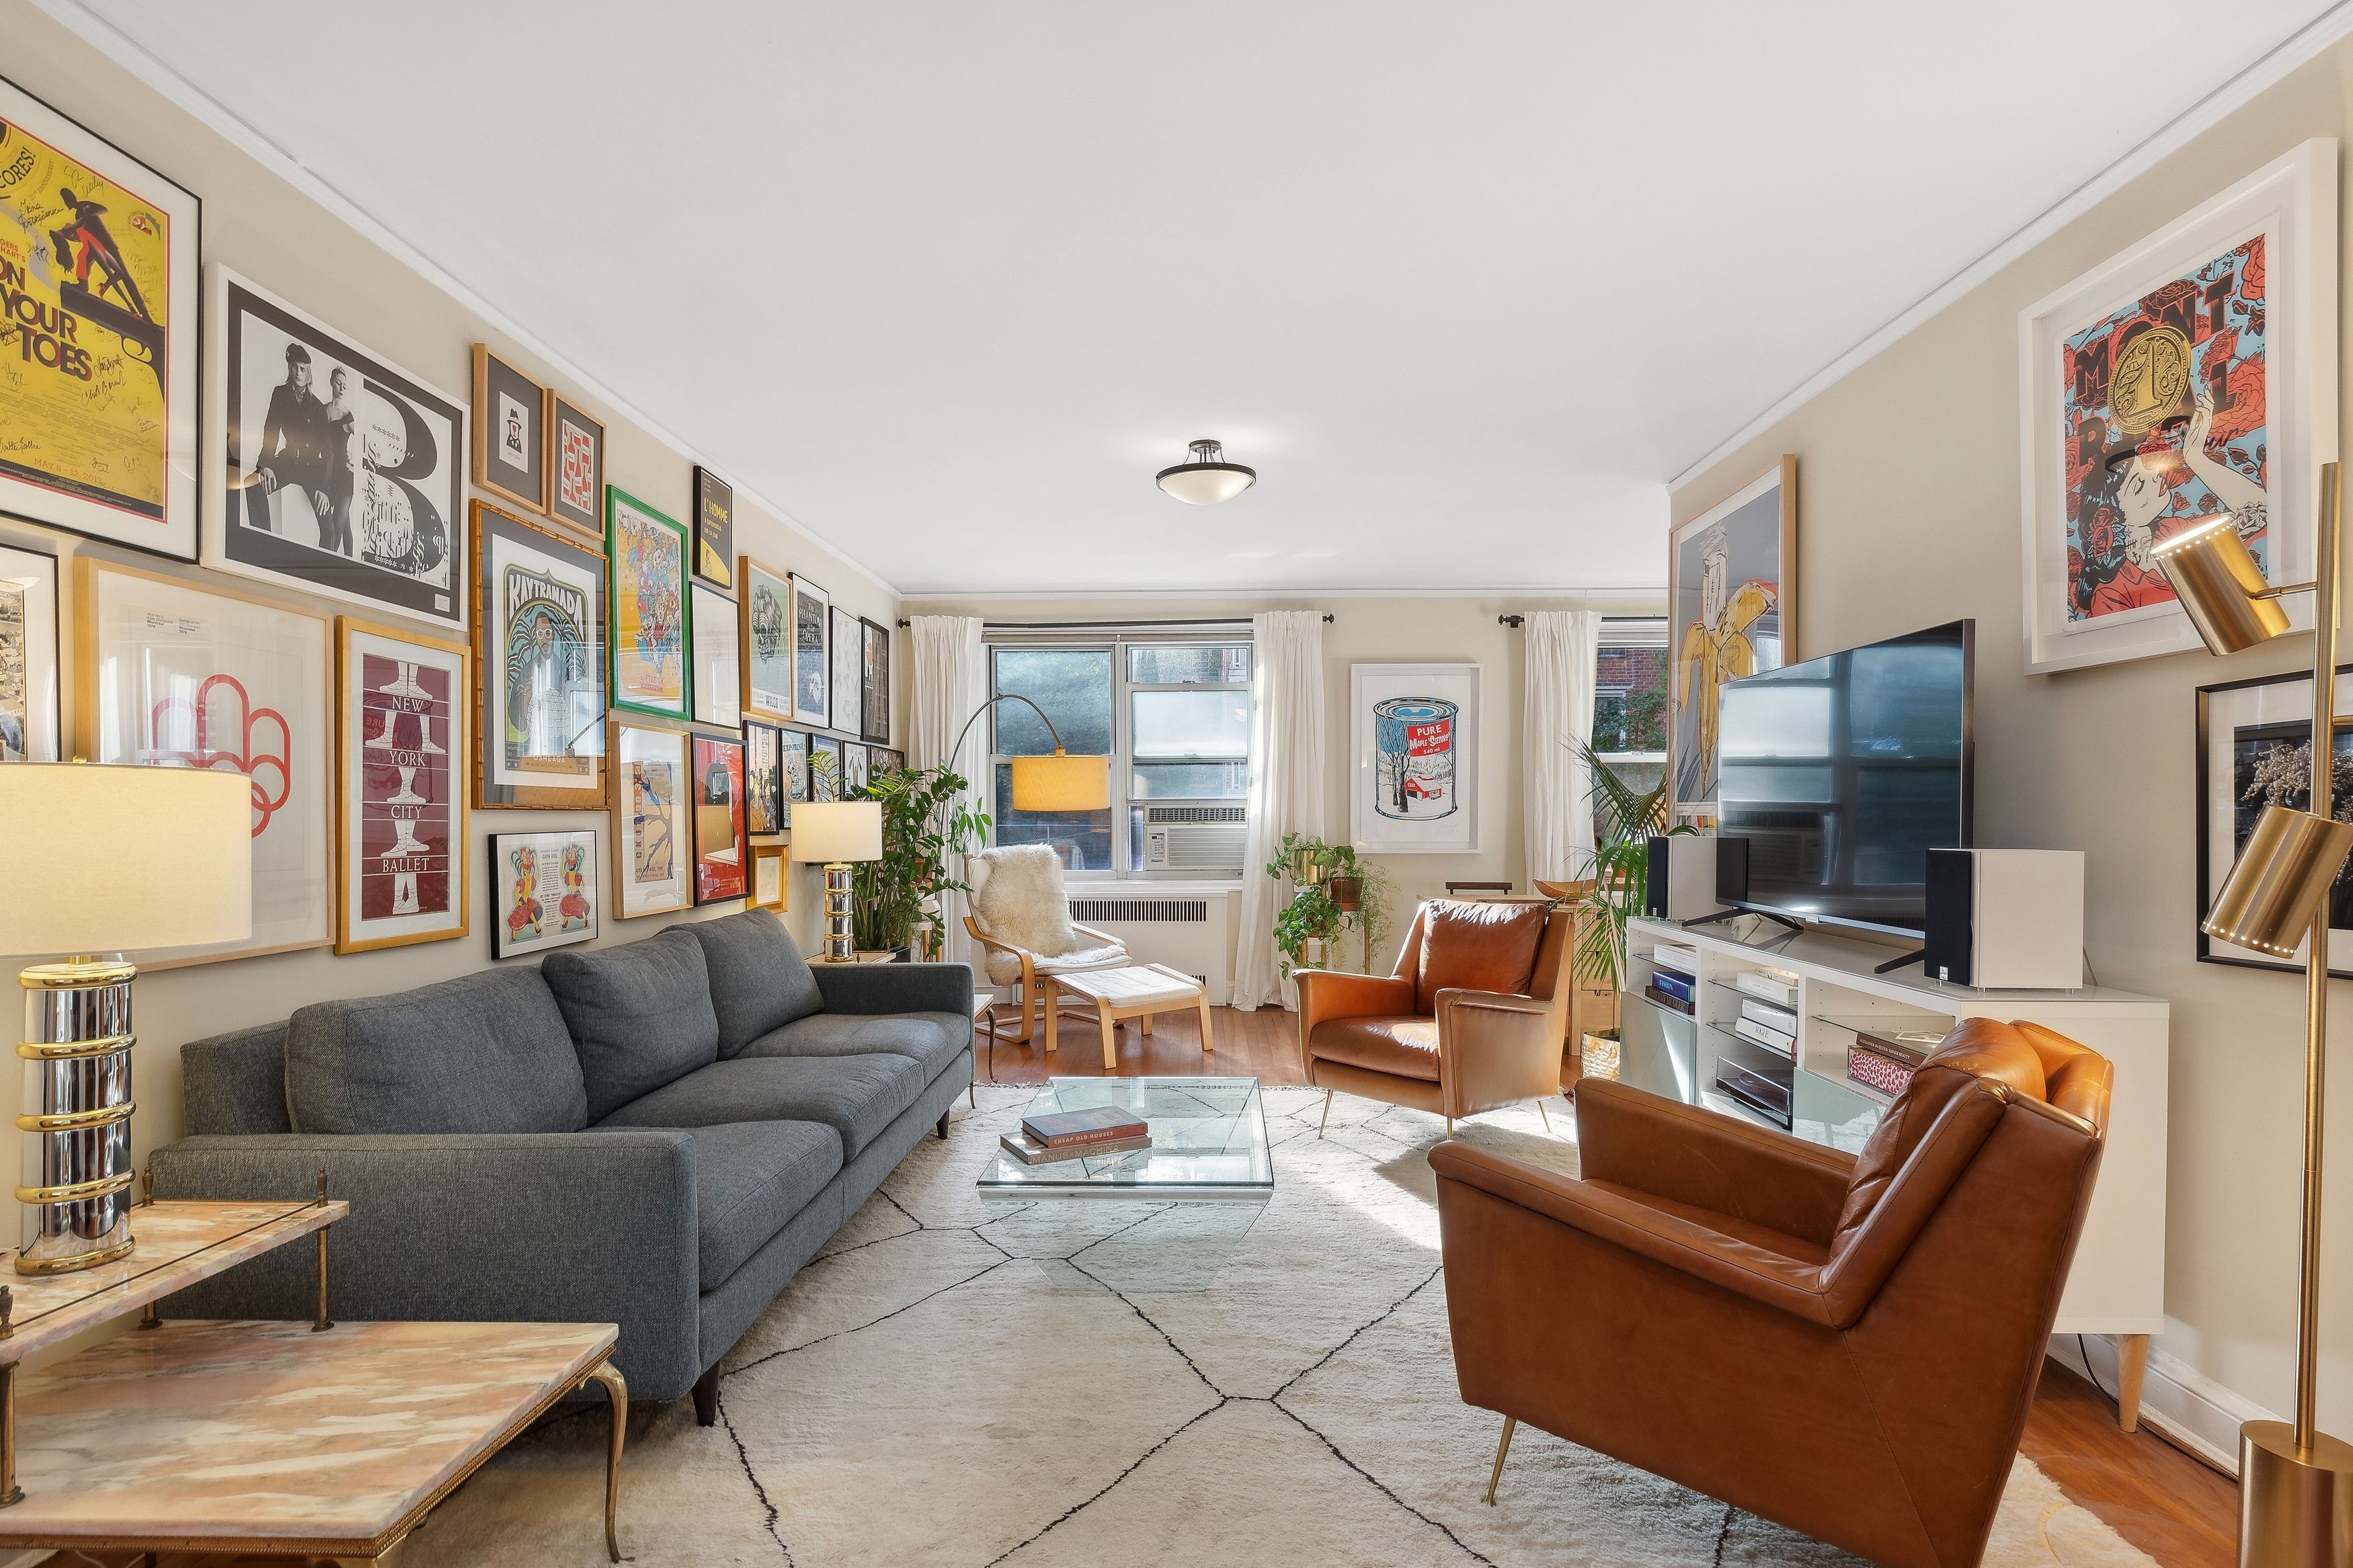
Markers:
(1021, 902)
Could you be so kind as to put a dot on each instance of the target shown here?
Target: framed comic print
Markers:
(542, 890)
(715, 529)
(28, 654)
(326, 468)
(765, 809)
(846, 638)
(824, 768)
(575, 466)
(811, 666)
(645, 554)
(772, 886)
(714, 635)
(767, 600)
(876, 682)
(98, 426)
(794, 749)
(650, 841)
(401, 740)
(2254, 750)
(1732, 580)
(2192, 375)
(172, 674)
(1413, 730)
(539, 662)
(720, 871)
(510, 431)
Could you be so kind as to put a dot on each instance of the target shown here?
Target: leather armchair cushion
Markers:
(1477, 947)
(1399, 1046)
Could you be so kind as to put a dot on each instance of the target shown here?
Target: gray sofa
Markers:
(656, 1135)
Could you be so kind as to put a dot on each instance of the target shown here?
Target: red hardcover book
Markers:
(1101, 1124)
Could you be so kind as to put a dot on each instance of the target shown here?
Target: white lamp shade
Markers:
(831, 832)
(111, 859)
(1206, 484)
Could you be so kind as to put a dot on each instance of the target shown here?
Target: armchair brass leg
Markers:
(1449, 1127)
(1510, 1423)
(616, 1395)
(1544, 1115)
(1327, 1113)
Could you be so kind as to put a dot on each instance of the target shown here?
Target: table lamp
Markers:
(102, 859)
(2295, 1483)
(834, 833)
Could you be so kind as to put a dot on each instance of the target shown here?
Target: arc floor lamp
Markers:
(2295, 1483)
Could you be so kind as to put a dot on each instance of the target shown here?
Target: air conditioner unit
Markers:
(1194, 838)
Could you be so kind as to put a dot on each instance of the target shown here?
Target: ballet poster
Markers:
(402, 768)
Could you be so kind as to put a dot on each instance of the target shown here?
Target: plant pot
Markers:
(1598, 1057)
(1345, 891)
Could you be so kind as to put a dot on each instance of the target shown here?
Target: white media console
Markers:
(2117, 1285)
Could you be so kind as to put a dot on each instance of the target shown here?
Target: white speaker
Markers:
(2005, 919)
(1683, 876)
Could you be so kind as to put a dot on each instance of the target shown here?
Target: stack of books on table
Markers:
(1074, 1134)
(1674, 977)
(1767, 1024)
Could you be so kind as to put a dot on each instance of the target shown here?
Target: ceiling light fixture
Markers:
(1206, 479)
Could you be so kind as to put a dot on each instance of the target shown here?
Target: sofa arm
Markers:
(895, 988)
(1494, 1049)
(572, 1227)
(1632, 1138)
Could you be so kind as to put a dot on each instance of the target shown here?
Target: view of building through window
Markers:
(1629, 702)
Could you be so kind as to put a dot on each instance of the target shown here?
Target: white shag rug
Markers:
(918, 1395)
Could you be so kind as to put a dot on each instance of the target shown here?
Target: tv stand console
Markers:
(2118, 1284)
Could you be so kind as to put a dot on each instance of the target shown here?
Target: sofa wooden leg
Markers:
(943, 1128)
(2132, 1369)
(706, 1398)
(1511, 1422)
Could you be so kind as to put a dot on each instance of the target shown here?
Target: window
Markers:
(1629, 702)
(1174, 717)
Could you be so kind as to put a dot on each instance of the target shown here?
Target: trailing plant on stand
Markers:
(928, 817)
(1336, 895)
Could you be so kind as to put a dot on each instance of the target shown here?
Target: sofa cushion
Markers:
(1477, 947)
(483, 1052)
(235, 1083)
(759, 981)
(1399, 1046)
(750, 1178)
(933, 1039)
(641, 1015)
(858, 1097)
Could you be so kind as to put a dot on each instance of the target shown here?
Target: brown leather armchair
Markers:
(1844, 1345)
(1472, 1019)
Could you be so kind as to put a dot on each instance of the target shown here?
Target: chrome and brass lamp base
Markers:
(839, 946)
(2295, 1508)
(77, 1051)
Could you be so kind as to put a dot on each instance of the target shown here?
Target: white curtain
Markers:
(950, 683)
(1563, 647)
(1286, 786)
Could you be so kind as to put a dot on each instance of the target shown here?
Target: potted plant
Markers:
(1626, 818)
(927, 816)
(1336, 895)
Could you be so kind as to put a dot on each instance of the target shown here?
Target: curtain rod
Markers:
(1517, 622)
(1089, 625)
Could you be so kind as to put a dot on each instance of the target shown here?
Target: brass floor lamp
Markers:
(2295, 1483)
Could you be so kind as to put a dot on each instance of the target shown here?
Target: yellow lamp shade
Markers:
(104, 859)
(832, 833)
(1061, 782)
(2268, 900)
(2218, 582)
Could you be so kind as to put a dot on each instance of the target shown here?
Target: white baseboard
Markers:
(2178, 1399)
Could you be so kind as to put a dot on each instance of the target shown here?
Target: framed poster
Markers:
(649, 844)
(811, 666)
(646, 554)
(329, 468)
(854, 776)
(510, 431)
(884, 760)
(824, 768)
(1731, 611)
(846, 638)
(28, 653)
(542, 890)
(97, 404)
(2192, 375)
(767, 641)
(575, 466)
(717, 641)
(539, 656)
(1413, 732)
(764, 779)
(2254, 750)
(793, 750)
(771, 888)
(715, 529)
(170, 674)
(400, 791)
(876, 682)
(720, 871)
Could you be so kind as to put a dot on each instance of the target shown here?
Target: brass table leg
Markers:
(323, 1322)
(1510, 1423)
(10, 1492)
(616, 1393)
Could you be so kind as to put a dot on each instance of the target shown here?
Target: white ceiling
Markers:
(1466, 283)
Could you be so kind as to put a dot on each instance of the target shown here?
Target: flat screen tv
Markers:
(1842, 773)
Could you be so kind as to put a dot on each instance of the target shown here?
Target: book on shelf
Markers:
(1772, 985)
(1030, 1152)
(1768, 1013)
(1096, 1124)
(1684, 960)
(1749, 1029)
(1676, 985)
(1672, 1004)
(1905, 1045)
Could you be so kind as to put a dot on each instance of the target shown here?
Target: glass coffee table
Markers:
(1163, 1218)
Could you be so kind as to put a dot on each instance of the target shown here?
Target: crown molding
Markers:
(1131, 594)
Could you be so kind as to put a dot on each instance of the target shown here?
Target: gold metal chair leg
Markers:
(1327, 1113)
(1449, 1127)
(617, 1395)
(1511, 1424)
(1544, 1115)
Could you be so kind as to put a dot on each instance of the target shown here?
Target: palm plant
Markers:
(1627, 817)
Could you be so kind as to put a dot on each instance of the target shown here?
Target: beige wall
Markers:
(1908, 515)
(258, 224)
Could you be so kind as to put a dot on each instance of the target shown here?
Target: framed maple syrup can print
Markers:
(400, 796)
(510, 431)
(575, 466)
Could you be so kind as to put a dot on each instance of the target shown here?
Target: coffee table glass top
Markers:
(1208, 1143)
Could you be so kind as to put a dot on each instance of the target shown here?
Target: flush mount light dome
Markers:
(1207, 479)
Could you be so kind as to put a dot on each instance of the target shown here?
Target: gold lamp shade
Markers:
(2218, 583)
(1061, 782)
(2267, 900)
